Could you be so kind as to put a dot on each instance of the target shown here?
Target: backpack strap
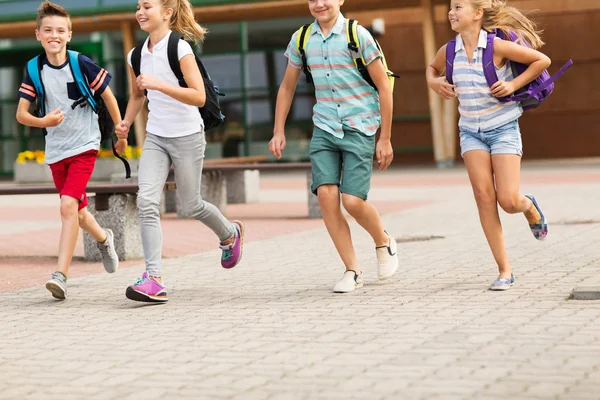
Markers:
(489, 69)
(136, 59)
(301, 40)
(450, 56)
(136, 62)
(173, 56)
(357, 57)
(533, 93)
(353, 45)
(34, 66)
(82, 83)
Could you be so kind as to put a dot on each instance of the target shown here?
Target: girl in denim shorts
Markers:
(490, 139)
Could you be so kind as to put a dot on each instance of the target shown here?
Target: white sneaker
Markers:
(387, 259)
(350, 281)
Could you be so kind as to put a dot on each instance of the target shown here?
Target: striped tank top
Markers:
(479, 110)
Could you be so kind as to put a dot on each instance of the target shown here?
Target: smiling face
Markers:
(463, 16)
(325, 11)
(54, 33)
(151, 15)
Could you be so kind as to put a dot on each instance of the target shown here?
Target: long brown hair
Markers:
(48, 9)
(183, 20)
(497, 15)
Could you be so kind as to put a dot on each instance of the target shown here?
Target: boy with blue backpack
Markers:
(496, 73)
(71, 94)
(354, 99)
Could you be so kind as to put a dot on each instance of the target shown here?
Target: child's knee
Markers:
(485, 196)
(68, 207)
(354, 205)
(146, 204)
(328, 195)
(509, 202)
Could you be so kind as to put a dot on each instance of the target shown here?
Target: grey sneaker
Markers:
(57, 285)
(350, 281)
(109, 255)
(503, 283)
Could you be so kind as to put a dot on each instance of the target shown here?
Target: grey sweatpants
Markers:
(187, 156)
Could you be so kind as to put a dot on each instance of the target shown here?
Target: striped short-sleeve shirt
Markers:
(344, 99)
(479, 110)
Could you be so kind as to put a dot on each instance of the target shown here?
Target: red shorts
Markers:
(72, 175)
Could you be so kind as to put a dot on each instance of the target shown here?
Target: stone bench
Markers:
(115, 205)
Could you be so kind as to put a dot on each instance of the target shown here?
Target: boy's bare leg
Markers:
(68, 233)
(337, 226)
(367, 216)
(88, 223)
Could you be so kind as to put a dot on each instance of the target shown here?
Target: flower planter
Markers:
(32, 172)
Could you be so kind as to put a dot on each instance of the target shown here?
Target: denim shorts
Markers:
(505, 139)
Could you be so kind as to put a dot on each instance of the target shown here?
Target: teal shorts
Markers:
(346, 162)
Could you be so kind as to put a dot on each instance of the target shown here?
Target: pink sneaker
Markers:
(232, 253)
(147, 289)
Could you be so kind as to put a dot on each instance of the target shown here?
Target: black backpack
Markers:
(95, 101)
(211, 112)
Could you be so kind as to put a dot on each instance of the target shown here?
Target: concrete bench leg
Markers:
(243, 186)
(314, 210)
(119, 213)
(214, 191)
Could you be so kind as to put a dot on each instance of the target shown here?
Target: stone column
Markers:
(119, 213)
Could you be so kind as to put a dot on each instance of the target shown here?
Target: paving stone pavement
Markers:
(272, 329)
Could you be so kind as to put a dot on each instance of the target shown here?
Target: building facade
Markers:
(244, 53)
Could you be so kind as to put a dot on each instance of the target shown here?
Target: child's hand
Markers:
(147, 82)
(277, 144)
(121, 146)
(384, 153)
(502, 89)
(442, 87)
(54, 118)
(122, 130)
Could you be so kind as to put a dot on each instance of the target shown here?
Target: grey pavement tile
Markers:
(263, 331)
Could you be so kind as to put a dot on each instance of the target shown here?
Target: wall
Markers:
(566, 125)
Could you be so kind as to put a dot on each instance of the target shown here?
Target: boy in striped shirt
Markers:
(72, 139)
(347, 114)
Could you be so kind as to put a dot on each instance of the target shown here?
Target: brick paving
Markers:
(272, 329)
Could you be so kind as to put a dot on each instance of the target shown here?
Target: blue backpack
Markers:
(105, 122)
(531, 95)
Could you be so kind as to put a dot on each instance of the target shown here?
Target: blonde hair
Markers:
(48, 9)
(183, 20)
(497, 15)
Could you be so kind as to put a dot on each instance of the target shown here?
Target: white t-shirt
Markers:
(167, 117)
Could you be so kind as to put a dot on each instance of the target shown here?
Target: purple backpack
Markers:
(530, 95)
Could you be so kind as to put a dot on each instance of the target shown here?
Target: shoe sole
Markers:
(385, 277)
(57, 291)
(501, 289)
(134, 295)
(357, 286)
(242, 231)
